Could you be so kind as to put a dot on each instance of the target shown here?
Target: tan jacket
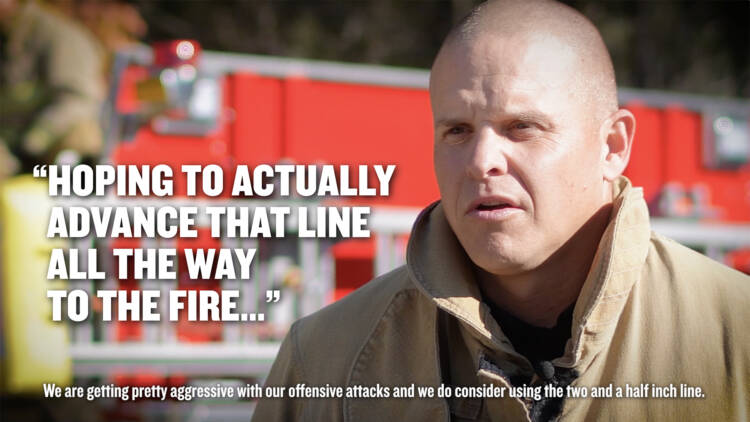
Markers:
(650, 311)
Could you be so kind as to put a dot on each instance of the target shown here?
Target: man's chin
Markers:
(503, 265)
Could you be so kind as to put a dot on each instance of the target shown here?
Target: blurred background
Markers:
(248, 82)
(690, 46)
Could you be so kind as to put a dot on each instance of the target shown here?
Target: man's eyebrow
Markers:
(449, 122)
(542, 119)
(530, 115)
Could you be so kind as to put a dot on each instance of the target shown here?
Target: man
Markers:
(537, 267)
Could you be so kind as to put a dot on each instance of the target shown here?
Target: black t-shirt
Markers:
(535, 343)
(540, 345)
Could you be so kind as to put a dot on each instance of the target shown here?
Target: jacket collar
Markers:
(441, 269)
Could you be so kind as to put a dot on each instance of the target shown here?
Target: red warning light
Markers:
(176, 52)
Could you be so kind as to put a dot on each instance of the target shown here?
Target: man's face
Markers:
(518, 152)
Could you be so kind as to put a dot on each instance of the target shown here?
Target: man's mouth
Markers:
(493, 208)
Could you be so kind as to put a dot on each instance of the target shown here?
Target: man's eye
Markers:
(521, 125)
(522, 130)
(456, 134)
(456, 130)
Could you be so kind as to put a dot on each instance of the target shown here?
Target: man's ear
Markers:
(618, 130)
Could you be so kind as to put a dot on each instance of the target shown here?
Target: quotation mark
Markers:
(40, 171)
(273, 295)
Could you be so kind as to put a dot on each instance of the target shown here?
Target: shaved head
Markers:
(548, 24)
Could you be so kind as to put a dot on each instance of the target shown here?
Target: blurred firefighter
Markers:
(51, 86)
(116, 24)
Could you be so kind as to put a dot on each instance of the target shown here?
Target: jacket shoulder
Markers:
(694, 267)
(698, 308)
(711, 288)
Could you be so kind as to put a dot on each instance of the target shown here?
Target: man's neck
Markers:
(539, 296)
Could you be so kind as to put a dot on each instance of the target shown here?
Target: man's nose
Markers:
(488, 155)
